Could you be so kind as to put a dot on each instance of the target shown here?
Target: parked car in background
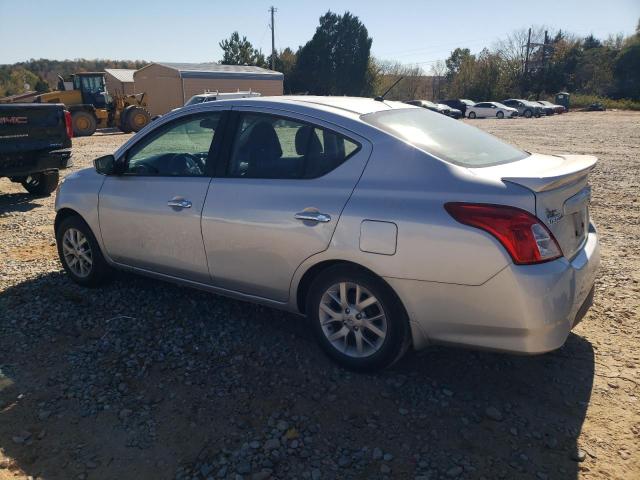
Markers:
(458, 103)
(525, 108)
(386, 225)
(213, 96)
(491, 109)
(35, 142)
(450, 111)
(428, 105)
(556, 108)
(547, 110)
(436, 107)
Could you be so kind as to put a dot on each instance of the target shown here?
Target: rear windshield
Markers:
(444, 137)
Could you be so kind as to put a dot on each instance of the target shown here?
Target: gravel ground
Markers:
(142, 379)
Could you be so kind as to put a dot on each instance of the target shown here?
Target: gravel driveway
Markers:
(143, 379)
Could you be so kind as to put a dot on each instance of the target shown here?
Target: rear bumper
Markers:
(21, 165)
(524, 309)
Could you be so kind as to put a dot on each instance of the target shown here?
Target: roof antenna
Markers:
(381, 97)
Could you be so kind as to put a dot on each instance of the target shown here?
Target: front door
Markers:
(150, 215)
(278, 200)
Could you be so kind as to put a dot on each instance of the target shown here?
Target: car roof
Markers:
(344, 106)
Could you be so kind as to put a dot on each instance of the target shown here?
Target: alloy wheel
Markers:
(77, 252)
(352, 319)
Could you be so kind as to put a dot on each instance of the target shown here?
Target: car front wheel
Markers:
(357, 319)
(80, 253)
(471, 115)
(500, 114)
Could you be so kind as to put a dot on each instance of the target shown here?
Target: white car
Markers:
(213, 96)
(490, 110)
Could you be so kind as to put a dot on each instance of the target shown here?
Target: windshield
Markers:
(445, 138)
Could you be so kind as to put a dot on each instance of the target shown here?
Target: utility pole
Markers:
(273, 38)
(526, 62)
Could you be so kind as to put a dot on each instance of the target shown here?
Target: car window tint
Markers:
(267, 146)
(181, 148)
(438, 135)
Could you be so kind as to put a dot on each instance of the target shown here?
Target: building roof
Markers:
(217, 70)
(121, 74)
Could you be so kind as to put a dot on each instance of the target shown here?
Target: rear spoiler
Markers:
(572, 169)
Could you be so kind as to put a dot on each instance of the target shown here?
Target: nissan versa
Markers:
(387, 225)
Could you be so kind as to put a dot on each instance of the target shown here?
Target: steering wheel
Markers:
(186, 164)
(142, 168)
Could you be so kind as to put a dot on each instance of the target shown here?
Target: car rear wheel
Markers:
(80, 253)
(472, 115)
(41, 183)
(500, 114)
(357, 319)
(527, 114)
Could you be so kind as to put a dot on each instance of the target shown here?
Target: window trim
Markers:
(222, 167)
(212, 160)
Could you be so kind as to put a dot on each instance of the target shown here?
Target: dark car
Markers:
(458, 103)
(556, 108)
(436, 107)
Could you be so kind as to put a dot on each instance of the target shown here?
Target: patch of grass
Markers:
(579, 100)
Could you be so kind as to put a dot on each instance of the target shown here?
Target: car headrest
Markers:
(264, 140)
(307, 141)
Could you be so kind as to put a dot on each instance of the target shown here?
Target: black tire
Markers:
(100, 270)
(397, 339)
(500, 114)
(84, 124)
(123, 124)
(527, 113)
(471, 115)
(41, 183)
(137, 118)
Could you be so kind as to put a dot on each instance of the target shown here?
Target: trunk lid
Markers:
(562, 194)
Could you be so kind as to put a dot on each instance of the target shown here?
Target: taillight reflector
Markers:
(68, 124)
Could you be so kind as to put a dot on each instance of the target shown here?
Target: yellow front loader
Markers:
(92, 107)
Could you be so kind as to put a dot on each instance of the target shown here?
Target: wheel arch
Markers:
(312, 273)
(63, 214)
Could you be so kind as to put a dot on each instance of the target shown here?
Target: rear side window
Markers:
(445, 138)
(267, 146)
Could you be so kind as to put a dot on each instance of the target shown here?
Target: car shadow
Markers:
(18, 202)
(143, 379)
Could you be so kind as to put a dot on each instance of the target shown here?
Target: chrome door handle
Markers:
(179, 203)
(313, 217)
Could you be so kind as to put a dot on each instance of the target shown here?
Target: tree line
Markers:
(337, 60)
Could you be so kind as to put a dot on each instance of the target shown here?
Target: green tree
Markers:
(455, 61)
(240, 51)
(285, 62)
(336, 60)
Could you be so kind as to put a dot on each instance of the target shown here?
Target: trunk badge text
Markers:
(553, 216)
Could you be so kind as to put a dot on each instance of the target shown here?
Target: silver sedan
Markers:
(388, 226)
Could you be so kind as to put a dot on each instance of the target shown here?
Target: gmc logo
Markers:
(13, 120)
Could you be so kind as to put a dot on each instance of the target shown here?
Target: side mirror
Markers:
(105, 165)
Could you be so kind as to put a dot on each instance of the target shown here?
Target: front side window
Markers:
(179, 149)
(267, 146)
(452, 141)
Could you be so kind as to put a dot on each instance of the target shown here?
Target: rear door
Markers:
(277, 199)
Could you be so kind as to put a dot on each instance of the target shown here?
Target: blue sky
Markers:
(190, 30)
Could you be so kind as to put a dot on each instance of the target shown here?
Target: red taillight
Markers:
(67, 123)
(526, 238)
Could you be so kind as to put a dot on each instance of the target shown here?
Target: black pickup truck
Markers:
(35, 142)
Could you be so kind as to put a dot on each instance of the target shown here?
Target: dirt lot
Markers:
(142, 379)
